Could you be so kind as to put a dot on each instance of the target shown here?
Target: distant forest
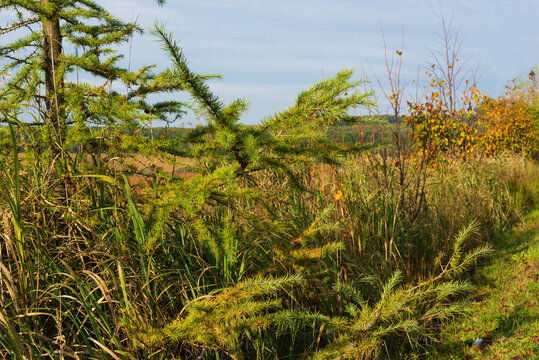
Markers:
(374, 129)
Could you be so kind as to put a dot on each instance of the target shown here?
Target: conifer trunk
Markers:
(54, 72)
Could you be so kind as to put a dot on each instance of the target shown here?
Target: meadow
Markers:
(318, 261)
(333, 261)
(314, 234)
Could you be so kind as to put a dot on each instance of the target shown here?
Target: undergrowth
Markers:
(325, 265)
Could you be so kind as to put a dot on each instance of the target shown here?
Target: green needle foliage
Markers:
(61, 40)
(228, 155)
(295, 136)
(219, 320)
(409, 312)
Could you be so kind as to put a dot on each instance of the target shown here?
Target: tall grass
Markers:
(337, 267)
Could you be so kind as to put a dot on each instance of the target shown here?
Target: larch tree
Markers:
(51, 41)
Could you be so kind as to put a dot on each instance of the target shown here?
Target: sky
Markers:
(268, 51)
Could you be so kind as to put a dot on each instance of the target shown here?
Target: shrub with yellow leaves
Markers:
(443, 130)
(440, 128)
(511, 121)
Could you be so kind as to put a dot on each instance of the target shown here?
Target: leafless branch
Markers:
(18, 25)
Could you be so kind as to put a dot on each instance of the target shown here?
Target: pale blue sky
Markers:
(270, 50)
